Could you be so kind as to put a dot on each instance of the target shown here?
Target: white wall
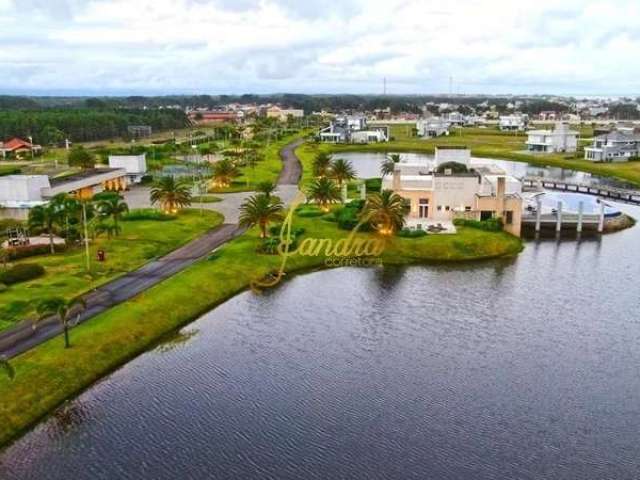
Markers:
(453, 155)
(22, 188)
(131, 163)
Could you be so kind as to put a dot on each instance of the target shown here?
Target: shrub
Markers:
(147, 214)
(3, 287)
(26, 251)
(373, 184)
(490, 225)
(21, 273)
(408, 233)
(105, 196)
(309, 211)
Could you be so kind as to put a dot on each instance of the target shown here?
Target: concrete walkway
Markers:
(22, 337)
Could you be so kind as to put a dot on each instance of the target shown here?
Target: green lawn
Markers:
(47, 374)
(491, 143)
(266, 170)
(139, 242)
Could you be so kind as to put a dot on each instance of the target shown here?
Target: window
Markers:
(439, 208)
(509, 217)
(467, 208)
(447, 208)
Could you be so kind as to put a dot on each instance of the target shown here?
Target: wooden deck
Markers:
(612, 193)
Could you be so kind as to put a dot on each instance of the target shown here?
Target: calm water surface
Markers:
(524, 368)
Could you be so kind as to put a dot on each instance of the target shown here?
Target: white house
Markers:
(368, 136)
(515, 122)
(353, 129)
(561, 139)
(23, 191)
(616, 146)
(432, 127)
(134, 165)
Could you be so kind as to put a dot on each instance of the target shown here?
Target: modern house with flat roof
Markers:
(134, 165)
(515, 122)
(283, 114)
(560, 139)
(437, 196)
(353, 129)
(615, 146)
(432, 127)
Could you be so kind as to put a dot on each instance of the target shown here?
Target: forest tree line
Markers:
(53, 126)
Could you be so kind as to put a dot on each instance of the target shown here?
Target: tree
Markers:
(260, 210)
(7, 367)
(342, 171)
(224, 172)
(61, 308)
(455, 167)
(389, 166)
(45, 217)
(170, 194)
(80, 157)
(267, 188)
(385, 211)
(323, 191)
(113, 207)
(321, 164)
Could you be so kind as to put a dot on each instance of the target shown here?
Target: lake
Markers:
(516, 368)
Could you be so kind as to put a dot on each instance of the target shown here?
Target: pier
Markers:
(611, 193)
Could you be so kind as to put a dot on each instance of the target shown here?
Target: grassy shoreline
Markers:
(47, 375)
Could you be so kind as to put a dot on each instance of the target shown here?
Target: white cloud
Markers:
(237, 46)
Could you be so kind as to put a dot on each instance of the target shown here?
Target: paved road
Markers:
(22, 337)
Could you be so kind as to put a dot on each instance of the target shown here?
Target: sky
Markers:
(114, 47)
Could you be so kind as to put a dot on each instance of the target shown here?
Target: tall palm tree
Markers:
(7, 367)
(224, 172)
(261, 210)
(323, 191)
(62, 309)
(113, 207)
(45, 217)
(342, 171)
(321, 164)
(385, 211)
(171, 194)
(389, 165)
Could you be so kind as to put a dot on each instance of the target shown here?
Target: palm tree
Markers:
(342, 171)
(62, 309)
(321, 164)
(324, 191)
(385, 211)
(267, 188)
(110, 230)
(170, 194)
(224, 172)
(7, 367)
(261, 210)
(45, 217)
(113, 207)
(389, 165)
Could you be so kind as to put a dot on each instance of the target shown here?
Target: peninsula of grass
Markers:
(486, 143)
(66, 276)
(48, 374)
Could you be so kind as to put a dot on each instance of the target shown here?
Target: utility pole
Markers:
(384, 86)
(86, 235)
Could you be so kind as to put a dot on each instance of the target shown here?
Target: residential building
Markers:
(615, 146)
(283, 114)
(515, 122)
(17, 147)
(26, 191)
(214, 116)
(139, 131)
(560, 139)
(444, 196)
(134, 165)
(432, 127)
(353, 129)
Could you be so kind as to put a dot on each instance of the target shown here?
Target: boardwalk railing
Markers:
(613, 193)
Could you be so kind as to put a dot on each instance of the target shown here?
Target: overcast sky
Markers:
(319, 46)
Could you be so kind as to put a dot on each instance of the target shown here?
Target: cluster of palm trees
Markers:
(65, 214)
(385, 211)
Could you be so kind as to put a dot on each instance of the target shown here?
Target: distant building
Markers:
(210, 116)
(515, 122)
(353, 129)
(452, 153)
(561, 139)
(16, 147)
(283, 114)
(455, 118)
(432, 127)
(134, 165)
(139, 131)
(615, 146)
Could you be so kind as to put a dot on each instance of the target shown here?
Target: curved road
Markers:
(22, 337)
